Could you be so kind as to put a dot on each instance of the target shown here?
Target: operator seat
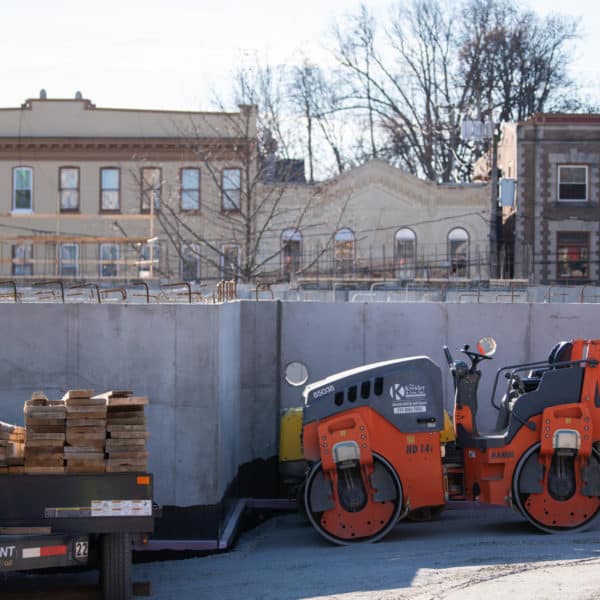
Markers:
(560, 353)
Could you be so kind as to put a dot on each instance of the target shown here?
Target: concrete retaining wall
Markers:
(214, 374)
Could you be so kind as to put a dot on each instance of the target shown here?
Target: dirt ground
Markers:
(467, 554)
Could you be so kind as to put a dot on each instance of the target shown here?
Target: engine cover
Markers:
(407, 392)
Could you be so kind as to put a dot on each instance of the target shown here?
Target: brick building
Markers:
(555, 159)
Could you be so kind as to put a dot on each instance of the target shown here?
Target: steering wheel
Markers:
(476, 355)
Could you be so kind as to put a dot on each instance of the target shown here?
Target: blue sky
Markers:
(172, 54)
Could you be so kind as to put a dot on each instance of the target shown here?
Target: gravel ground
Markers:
(467, 554)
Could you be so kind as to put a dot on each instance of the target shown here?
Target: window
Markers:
(68, 259)
(23, 189)
(291, 250)
(573, 250)
(458, 252)
(69, 188)
(110, 188)
(190, 262)
(149, 261)
(405, 251)
(150, 188)
(22, 255)
(109, 260)
(230, 261)
(231, 189)
(190, 189)
(344, 251)
(572, 183)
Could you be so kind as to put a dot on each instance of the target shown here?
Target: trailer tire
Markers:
(116, 566)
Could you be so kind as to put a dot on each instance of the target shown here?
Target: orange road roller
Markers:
(375, 440)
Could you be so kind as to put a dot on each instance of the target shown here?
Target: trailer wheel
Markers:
(115, 568)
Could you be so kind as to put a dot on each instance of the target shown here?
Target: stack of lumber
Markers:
(81, 433)
(85, 432)
(126, 433)
(44, 435)
(12, 447)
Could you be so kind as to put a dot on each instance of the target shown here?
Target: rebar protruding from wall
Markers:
(91, 287)
(11, 283)
(53, 282)
(226, 290)
(263, 286)
(145, 284)
(178, 285)
(120, 291)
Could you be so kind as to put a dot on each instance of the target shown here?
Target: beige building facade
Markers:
(376, 221)
(114, 195)
(84, 191)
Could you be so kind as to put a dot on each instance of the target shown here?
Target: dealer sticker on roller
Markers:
(408, 398)
(121, 508)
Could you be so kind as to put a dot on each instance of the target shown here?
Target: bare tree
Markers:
(436, 64)
(240, 235)
(314, 98)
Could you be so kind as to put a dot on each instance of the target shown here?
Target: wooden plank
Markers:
(43, 470)
(84, 430)
(16, 470)
(85, 442)
(86, 423)
(125, 468)
(82, 453)
(128, 455)
(92, 436)
(95, 401)
(77, 394)
(89, 468)
(45, 412)
(111, 428)
(129, 435)
(114, 394)
(34, 444)
(115, 444)
(40, 435)
(128, 401)
(33, 423)
(74, 410)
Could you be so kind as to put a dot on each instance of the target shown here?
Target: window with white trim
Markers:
(405, 253)
(110, 188)
(190, 262)
(572, 254)
(231, 187)
(109, 260)
(230, 261)
(68, 260)
(458, 252)
(344, 250)
(190, 189)
(149, 257)
(572, 183)
(22, 189)
(151, 184)
(291, 250)
(69, 188)
(22, 260)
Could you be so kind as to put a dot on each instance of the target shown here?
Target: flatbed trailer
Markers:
(49, 521)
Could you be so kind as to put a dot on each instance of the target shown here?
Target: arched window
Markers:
(344, 250)
(405, 253)
(291, 252)
(458, 252)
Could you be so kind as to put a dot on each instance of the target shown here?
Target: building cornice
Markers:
(121, 148)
